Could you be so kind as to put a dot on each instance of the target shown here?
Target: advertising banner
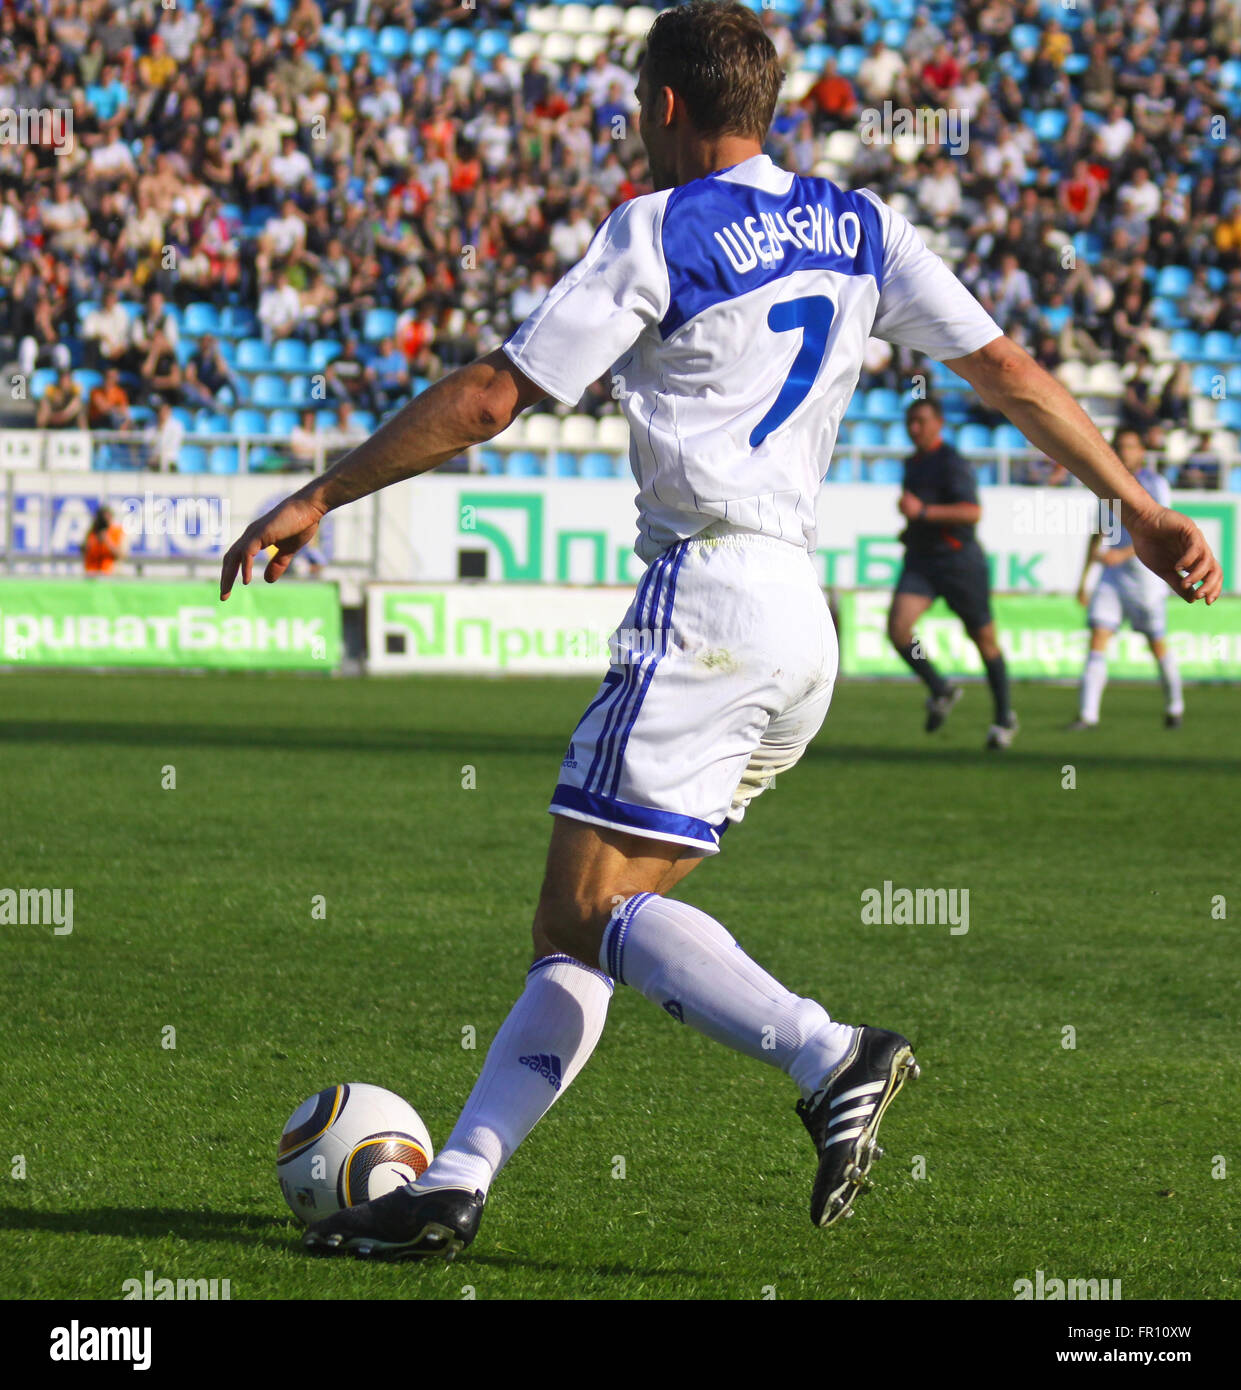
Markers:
(491, 629)
(117, 622)
(1041, 637)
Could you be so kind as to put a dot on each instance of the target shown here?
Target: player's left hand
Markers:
(288, 527)
(910, 506)
(1170, 545)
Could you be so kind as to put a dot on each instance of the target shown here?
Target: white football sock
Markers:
(541, 1046)
(1094, 678)
(684, 961)
(1170, 679)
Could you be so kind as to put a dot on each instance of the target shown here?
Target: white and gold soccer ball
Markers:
(347, 1145)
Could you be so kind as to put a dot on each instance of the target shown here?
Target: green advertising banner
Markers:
(1042, 636)
(136, 622)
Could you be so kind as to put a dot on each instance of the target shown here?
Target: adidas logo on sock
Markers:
(546, 1065)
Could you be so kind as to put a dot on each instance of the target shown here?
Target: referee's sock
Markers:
(687, 963)
(911, 655)
(997, 679)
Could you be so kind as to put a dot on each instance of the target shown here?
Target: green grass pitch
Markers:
(1094, 908)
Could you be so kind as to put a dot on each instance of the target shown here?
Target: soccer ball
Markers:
(347, 1145)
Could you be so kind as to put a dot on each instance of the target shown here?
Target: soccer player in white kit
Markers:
(1127, 592)
(733, 305)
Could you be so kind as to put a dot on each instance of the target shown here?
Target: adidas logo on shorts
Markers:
(545, 1065)
(570, 759)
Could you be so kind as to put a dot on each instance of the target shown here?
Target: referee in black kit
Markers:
(944, 560)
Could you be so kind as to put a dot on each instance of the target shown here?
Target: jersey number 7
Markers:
(813, 314)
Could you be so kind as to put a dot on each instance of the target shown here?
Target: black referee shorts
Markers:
(960, 579)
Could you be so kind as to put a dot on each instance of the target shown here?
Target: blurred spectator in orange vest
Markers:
(104, 544)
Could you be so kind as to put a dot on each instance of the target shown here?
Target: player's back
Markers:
(734, 311)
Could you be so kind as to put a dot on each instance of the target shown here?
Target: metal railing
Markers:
(138, 451)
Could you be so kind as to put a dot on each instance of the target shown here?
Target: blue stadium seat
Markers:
(564, 465)
(1234, 478)
(886, 471)
(1228, 414)
(986, 474)
(1203, 377)
(974, 439)
(1076, 63)
(210, 422)
(253, 355)
(201, 318)
(894, 32)
(524, 464)
(1218, 347)
(493, 462)
(87, 379)
(424, 41)
(184, 417)
(896, 436)
(490, 42)
(867, 434)
(1057, 316)
(843, 469)
(457, 42)
(1024, 36)
(599, 465)
(323, 351)
(291, 355)
(360, 39)
(849, 59)
(365, 420)
(1008, 437)
(248, 422)
(192, 459)
(1049, 124)
(1173, 280)
(882, 403)
(815, 56)
(378, 325)
(223, 459)
(1186, 345)
(1166, 313)
(269, 390)
(393, 42)
(282, 422)
(237, 321)
(40, 380)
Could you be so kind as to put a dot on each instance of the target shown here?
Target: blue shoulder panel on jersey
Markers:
(723, 239)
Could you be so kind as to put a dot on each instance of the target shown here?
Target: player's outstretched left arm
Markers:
(1168, 543)
(469, 406)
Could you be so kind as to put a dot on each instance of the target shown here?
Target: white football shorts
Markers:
(721, 674)
(1127, 598)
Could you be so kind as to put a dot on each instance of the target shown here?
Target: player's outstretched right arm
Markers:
(1168, 543)
(469, 406)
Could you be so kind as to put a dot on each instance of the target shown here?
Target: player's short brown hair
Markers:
(718, 59)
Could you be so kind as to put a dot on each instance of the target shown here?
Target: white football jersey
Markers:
(734, 312)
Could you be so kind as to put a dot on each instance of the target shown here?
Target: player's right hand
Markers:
(288, 526)
(1170, 545)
